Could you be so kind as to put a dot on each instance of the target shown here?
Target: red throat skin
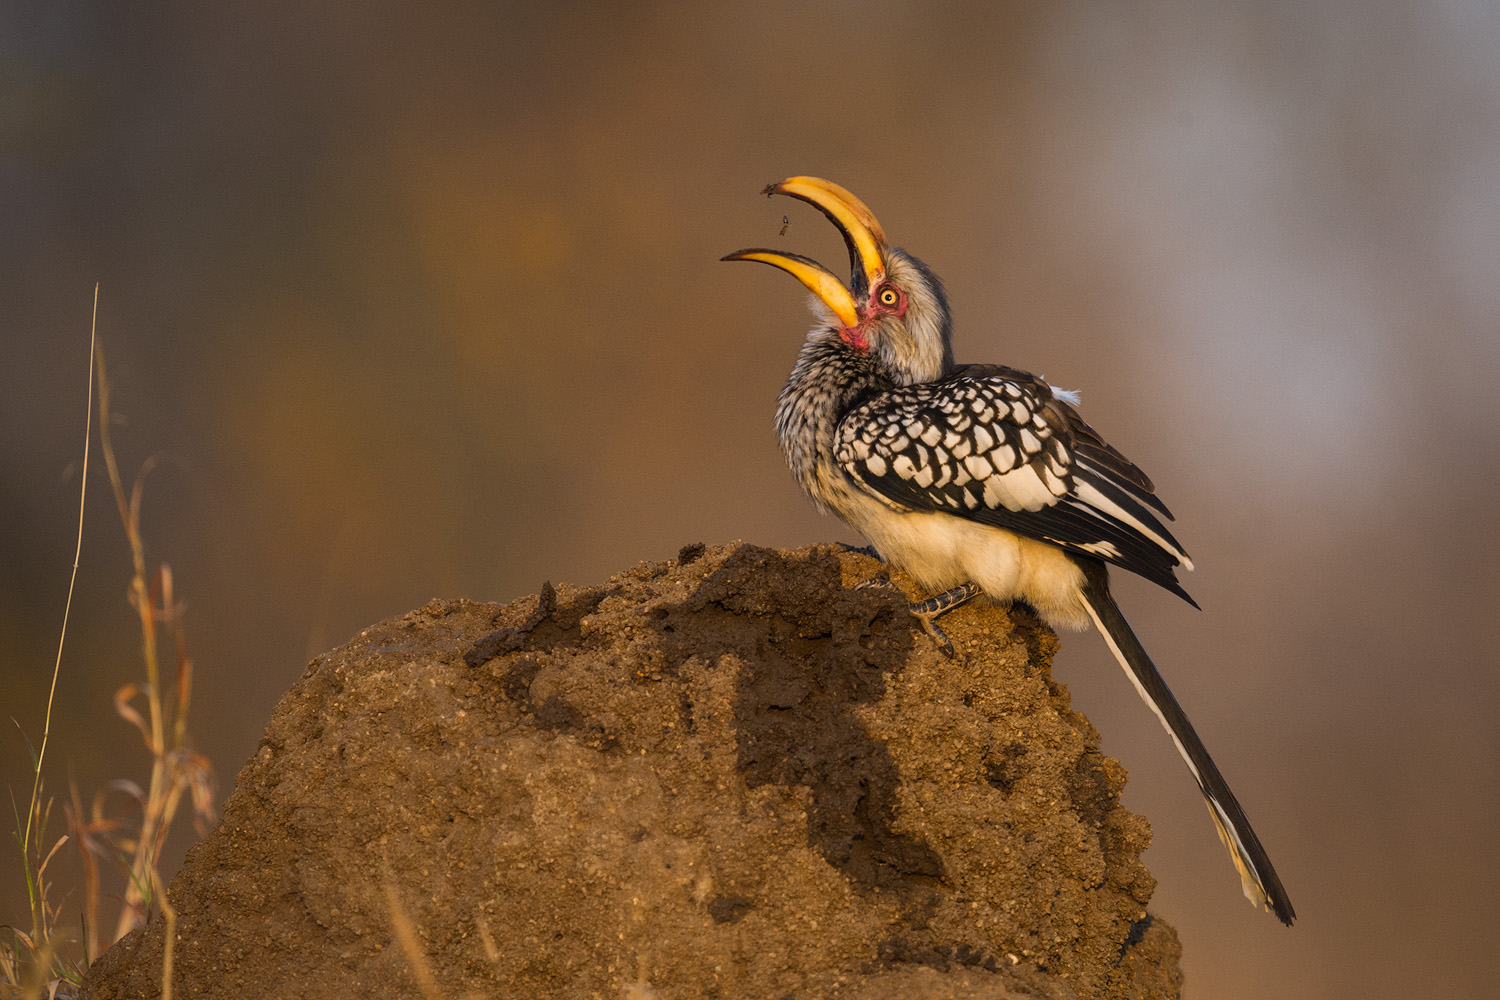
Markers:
(855, 337)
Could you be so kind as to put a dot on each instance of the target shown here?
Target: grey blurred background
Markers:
(428, 303)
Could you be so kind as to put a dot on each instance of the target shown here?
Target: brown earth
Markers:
(729, 776)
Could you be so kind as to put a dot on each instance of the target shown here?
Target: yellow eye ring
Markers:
(889, 297)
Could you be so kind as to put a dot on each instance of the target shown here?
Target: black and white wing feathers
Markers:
(999, 446)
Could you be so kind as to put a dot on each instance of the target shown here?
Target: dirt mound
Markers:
(731, 776)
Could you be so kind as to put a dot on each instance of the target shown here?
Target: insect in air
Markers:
(785, 222)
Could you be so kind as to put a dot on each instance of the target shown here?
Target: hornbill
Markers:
(977, 479)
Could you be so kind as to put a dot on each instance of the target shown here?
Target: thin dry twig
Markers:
(168, 948)
(406, 934)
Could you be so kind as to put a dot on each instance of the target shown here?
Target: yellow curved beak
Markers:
(820, 281)
(861, 231)
(862, 235)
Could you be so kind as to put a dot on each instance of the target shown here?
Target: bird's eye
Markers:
(889, 297)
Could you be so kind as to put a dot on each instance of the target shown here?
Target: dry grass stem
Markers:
(41, 962)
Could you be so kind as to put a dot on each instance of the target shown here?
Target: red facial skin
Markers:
(854, 336)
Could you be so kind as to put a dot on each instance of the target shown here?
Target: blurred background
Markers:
(428, 304)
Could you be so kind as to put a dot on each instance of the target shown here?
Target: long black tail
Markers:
(1257, 876)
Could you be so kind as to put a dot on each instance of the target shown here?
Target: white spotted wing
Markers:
(999, 446)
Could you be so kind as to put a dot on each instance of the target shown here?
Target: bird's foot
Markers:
(929, 611)
(932, 628)
(862, 550)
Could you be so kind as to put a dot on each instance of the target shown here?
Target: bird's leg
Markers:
(927, 612)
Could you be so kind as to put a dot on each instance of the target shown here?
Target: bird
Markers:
(977, 479)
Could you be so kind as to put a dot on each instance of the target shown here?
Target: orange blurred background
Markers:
(429, 304)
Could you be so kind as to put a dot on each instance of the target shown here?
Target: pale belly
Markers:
(940, 551)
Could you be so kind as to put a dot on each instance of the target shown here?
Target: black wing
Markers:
(998, 446)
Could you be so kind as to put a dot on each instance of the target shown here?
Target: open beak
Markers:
(862, 235)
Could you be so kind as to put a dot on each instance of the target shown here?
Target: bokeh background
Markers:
(424, 300)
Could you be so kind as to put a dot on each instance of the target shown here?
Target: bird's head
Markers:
(893, 306)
